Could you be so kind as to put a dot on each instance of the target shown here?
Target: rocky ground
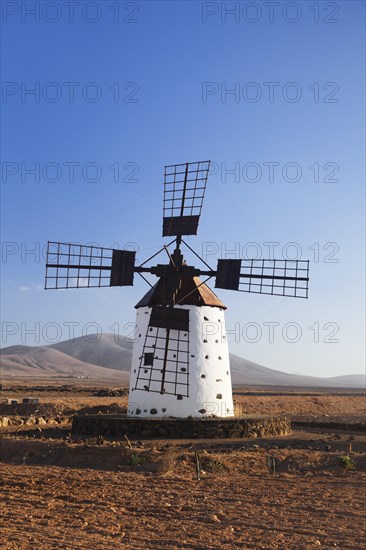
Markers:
(301, 491)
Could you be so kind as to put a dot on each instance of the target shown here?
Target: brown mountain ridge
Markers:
(106, 356)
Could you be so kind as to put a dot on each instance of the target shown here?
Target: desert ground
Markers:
(301, 491)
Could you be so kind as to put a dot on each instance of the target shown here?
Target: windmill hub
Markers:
(179, 368)
(173, 271)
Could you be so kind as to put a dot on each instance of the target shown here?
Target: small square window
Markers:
(148, 359)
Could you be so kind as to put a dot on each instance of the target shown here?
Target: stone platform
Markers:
(110, 425)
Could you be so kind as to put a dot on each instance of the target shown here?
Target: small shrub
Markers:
(136, 460)
(214, 464)
(345, 462)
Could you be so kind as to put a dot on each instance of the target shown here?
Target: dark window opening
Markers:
(219, 396)
(148, 359)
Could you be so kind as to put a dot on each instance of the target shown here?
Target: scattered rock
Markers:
(31, 421)
(4, 421)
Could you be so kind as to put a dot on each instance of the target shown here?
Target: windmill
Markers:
(180, 363)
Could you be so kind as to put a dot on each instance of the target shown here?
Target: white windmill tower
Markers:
(180, 364)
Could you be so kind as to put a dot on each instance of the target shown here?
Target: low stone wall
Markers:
(6, 421)
(177, 428)
(26, 409)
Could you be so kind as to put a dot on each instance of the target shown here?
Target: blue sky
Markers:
(118, 98)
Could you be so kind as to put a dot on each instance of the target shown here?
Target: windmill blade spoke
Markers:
(83, 266)
(184, 191)
(275, 277)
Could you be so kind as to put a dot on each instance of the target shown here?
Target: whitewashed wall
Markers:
(210, 389)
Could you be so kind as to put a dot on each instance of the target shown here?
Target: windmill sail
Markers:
(184, 191)
(275, 277)
(80, 266)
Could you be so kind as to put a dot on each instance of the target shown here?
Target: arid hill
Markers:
(109, 356)
(43, 361)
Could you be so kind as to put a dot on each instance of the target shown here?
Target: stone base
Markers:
(180, 428)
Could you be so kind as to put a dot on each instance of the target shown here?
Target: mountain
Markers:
(105, 350)
(43, 361)
(352, 380)
(244, 372)
(106, 356)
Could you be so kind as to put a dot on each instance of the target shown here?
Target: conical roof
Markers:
(190, 292)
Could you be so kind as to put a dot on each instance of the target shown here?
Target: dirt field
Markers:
(301, 491)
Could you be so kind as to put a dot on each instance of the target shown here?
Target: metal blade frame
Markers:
(71, 265)
(275, 277)
(184, 191)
